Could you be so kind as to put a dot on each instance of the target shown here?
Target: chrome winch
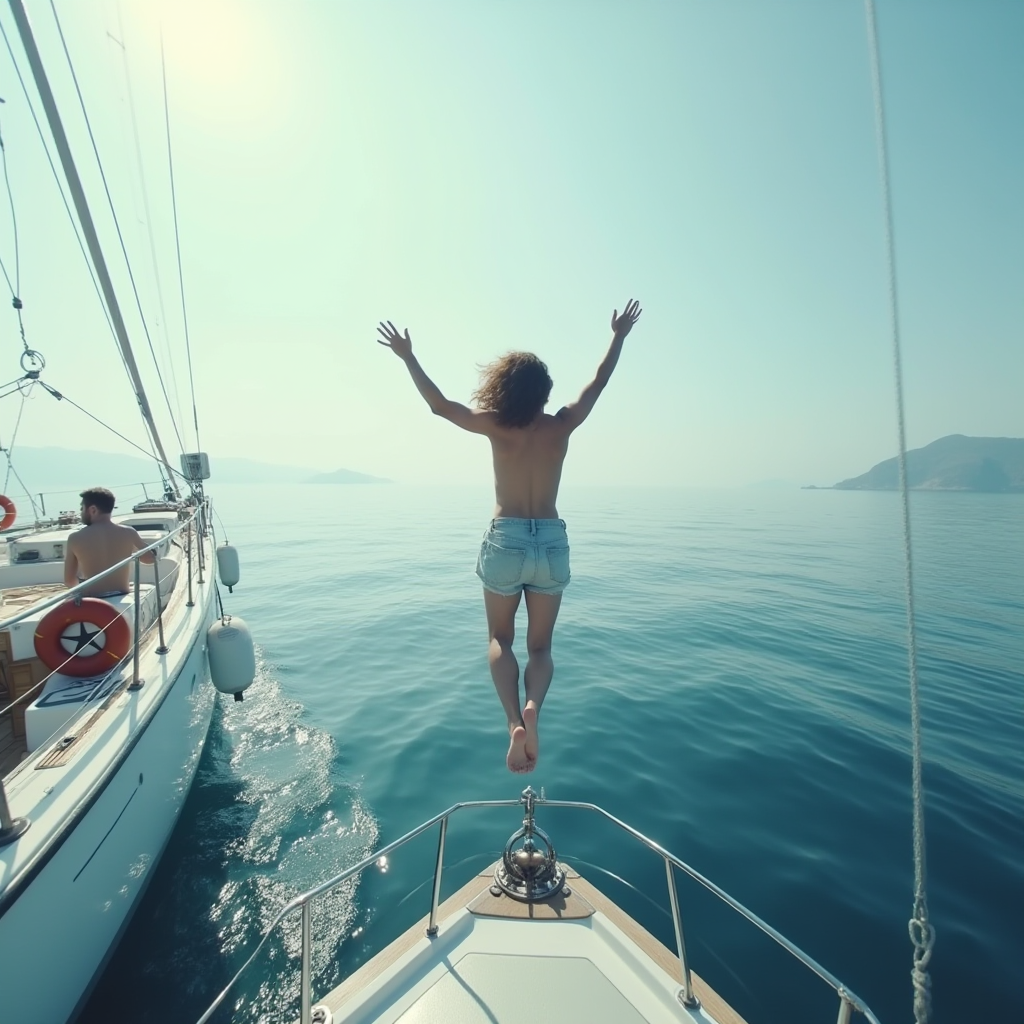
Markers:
(529, 870)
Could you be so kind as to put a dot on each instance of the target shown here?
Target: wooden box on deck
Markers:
(18, 678)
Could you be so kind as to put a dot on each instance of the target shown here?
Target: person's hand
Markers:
(400, 344)
(622, 325)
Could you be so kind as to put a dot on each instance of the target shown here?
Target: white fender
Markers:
(227, 566)
(232, 655)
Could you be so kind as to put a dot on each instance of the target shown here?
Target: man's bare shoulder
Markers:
(545, 423)
(554, 421)
(96, 531)
(487, 419)
(130, 534)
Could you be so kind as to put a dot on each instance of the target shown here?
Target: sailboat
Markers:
(109, 699)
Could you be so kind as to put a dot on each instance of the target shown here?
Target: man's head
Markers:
(96, 502)
(515, 387)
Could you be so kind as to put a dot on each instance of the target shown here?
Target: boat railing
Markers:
(849, 1002)
(194, 525)
(43, 520)
(196, 521)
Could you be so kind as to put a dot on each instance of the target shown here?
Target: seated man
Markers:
(99, 545)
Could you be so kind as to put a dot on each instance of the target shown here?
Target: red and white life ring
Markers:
(10, 512)
(83, 639)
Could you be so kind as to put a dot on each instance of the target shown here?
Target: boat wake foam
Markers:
(269, 816)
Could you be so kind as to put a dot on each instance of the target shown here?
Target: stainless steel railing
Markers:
(848, 1001)
(197, 520)
(194, 525)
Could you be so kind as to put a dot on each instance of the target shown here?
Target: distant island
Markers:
(345, 476)
(953, 463)
(50, 468)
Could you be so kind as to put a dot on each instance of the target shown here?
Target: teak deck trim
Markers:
(476, 892)
(668, 961)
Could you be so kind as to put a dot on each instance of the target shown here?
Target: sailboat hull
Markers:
(63, 918)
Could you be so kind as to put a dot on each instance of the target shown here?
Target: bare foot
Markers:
(516, 758)
(532, 746)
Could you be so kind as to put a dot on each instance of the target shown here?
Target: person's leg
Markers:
(542, 610)
(501, 631)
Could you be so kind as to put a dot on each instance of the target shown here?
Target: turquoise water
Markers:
(730, 679)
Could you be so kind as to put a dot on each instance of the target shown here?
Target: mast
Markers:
(88, 228)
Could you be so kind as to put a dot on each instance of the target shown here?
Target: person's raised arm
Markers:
(573, 414)
(473, 420)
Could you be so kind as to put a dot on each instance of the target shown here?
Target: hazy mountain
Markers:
(954, 463)
(345, 476)
(44, 468)
(247, 471)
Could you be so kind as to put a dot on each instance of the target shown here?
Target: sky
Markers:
(497, 176)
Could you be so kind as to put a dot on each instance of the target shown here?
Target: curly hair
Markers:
(516, 387)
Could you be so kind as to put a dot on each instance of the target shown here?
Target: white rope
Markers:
(922, 934)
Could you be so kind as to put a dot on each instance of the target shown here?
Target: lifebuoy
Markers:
(10, 512)
(83, 639)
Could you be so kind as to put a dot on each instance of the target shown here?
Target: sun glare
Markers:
(223, 57)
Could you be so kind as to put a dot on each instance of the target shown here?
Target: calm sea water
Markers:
(730, 679)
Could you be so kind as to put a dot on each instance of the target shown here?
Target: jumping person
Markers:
(525, 547)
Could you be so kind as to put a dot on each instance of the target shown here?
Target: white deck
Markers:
(102, 794)
(480, 971)
(582, 961)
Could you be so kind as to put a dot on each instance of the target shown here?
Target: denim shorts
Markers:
(524, 553)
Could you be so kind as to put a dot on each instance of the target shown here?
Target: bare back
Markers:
(99, 546)
(528, 467)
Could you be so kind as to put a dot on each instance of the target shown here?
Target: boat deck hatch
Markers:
(487, 988)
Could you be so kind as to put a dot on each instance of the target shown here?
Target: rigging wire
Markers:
(16, 286)
(177, 244)
(61, 397)
(120, 237)
(922, 932)
(14, 435)
(8, 389)
(122, 44)
(63, 196)
(8, 449)
(37, 363)
(16, 302)
(32, 501)
(216, 515)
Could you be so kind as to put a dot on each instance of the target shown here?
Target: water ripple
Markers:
(730, 678)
